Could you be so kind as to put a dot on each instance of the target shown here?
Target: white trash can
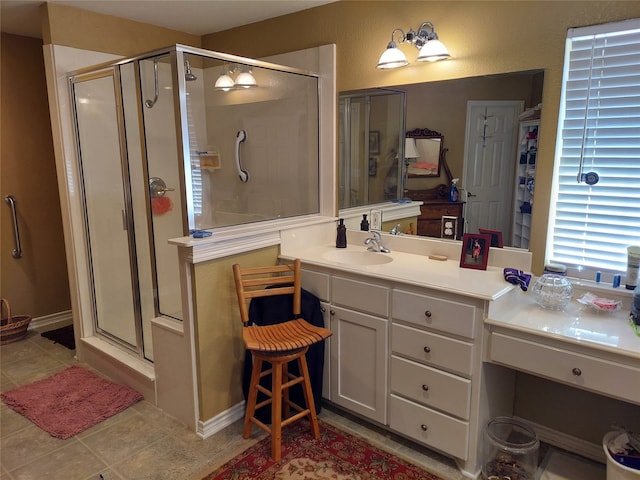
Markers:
(615, 470)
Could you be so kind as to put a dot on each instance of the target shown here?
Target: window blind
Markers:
(598, 132)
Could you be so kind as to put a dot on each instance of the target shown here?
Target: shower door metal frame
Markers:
(113, 72)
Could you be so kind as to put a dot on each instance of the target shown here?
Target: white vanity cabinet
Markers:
(408, 358)
(432, 369)
(357, 312)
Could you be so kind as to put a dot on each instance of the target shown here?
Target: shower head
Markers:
(188, 76)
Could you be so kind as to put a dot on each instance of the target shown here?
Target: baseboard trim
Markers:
(56, 320)
(220, 421)
(568, 442)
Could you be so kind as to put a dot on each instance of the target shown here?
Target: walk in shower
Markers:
(173, 143)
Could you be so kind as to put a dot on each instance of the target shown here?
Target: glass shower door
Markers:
(164, 177)
(106, 196)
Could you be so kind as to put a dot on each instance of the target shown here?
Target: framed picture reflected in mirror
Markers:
(496, 237)
(373, 166)
(374, 142)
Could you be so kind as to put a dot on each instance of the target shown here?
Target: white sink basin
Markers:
(351, 257)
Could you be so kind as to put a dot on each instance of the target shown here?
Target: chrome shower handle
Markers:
(157, 187)
(11, 201)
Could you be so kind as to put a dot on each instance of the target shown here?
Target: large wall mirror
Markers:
(442, 107)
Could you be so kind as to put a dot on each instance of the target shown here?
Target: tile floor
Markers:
(142, 442)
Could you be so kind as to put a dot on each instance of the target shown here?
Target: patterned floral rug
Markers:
(336, 455)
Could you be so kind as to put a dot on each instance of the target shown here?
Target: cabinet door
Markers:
(359, 363)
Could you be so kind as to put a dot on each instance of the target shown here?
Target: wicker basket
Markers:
(12, 329)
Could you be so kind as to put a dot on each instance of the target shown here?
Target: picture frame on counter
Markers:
(475, 251)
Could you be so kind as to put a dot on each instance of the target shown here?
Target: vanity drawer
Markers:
(433, 349)
(594, 374)
(316, 283)
(431, 387)
(429, 427)
(363, 296)
(432, 312)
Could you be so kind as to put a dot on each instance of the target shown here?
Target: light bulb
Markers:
(392, 57)
(224, 83)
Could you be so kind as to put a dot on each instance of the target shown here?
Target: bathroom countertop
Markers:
(412, 269)
(577, 324)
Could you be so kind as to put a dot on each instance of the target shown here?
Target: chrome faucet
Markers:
(395, 230)
(375, 243)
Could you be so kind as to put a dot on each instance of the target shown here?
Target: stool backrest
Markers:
(253, 282)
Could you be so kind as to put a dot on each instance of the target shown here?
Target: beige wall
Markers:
(483, 37)
(219, 346)
(73, 27)
(36, 284)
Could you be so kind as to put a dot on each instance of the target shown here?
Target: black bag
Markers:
(278, 309)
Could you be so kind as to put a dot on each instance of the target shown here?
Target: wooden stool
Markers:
(277, 344)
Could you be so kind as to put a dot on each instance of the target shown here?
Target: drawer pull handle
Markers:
(577, 372)
(425, 387)
(427, 349)
(427, 314)
(322, 309)
(332, 312)
(423, 427)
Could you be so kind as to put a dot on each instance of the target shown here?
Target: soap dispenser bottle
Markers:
(341, 236)
(453, 191)
(364, 224)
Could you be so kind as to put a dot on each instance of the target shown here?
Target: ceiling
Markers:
(198, 17)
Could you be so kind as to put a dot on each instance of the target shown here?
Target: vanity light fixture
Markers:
(425, 39)
(244, 79)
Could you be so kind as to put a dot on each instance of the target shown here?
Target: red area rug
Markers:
(336, 455)
(70, 401)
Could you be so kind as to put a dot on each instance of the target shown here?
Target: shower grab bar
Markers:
(11, 201)
(241, 136)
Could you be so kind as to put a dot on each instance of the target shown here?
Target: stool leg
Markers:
(253, 397)
(308, 396)
(285, 391)
(276, 411)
